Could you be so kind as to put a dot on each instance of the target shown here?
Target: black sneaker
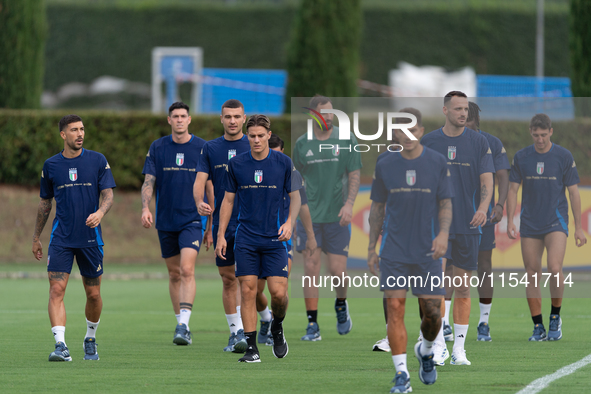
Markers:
(251, 356)
(280, 348)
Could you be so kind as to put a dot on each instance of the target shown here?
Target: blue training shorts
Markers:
(399, 276)
(171, 242)
(487, 241)
(262, 261)
(230, 237)
(89, 260)
(464, 251)
(330, 237)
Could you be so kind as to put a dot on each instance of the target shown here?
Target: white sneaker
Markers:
(459, 358)
(440, 353)
(382, 345)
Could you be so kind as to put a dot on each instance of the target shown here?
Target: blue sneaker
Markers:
(240, 346)
(231, 343)
(427, 371)
(265, 332)
(555, 331)
(401, 383)
(539, 333)
(61, 353)
(344, 323)
(447, 333)
(90, 352)
(182, 336)
(312, 333)
(484, 332)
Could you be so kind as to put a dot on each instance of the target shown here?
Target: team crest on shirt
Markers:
(411, 177)
(180, 159)
(451, 152)
(258, 176)
(231, 153)
(336, 150)
(73, 174)
(540, 168)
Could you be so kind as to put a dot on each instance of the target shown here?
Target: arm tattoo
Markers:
(483, 193)
(107, 203)
(445, 214)
(147, 190)
(91, 281)
(354, 181)
(42, 216)
(376, 221)
(58, 276)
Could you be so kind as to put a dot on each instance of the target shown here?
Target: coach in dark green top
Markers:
(332, 183)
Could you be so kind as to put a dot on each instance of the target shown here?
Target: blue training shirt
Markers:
(468, 156)
(175, 168)
(297, 183)
(214, 161)
(411, 190)
(76, 185)
(500, 162)
(261, 185)
(545, 177)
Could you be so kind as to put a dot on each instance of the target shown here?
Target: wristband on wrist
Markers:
(499, 205)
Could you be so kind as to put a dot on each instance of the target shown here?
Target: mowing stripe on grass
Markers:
(539, 384)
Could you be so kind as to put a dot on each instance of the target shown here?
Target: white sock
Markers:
(460, 332)
(400, 363)
(178, 318)
(91, 328)
(59, 333)
(185, 317)
(234, 322)
(440, 339)
(427, 347)
(447, 309)
(238, 311)
(265, 315)
(484, 312)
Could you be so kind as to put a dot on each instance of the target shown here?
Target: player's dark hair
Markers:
(540, 121)
(413, 111)
(451, 94)
(232, 103)
(259, 120)
(66, 120)
(473, 113)
(318, 100)
(276, 141)
(178, 105)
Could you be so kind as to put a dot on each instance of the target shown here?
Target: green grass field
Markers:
(137, 353)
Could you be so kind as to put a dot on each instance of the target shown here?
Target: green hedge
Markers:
(31, 137)
(23, 31)
(118, 41)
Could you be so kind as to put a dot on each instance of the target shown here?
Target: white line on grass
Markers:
(539, 384)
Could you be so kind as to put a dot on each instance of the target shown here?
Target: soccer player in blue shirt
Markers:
(259, 179)
(77, 178)
(495, 214)
(469, 160)
(277, 144)
(212, 168)
(411, 202)
(170, 168)
(546, 170)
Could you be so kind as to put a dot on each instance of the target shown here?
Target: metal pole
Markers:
(540, 49)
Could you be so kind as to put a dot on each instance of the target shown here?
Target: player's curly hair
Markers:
(473, 113)
(540, 121)
(258, 120)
